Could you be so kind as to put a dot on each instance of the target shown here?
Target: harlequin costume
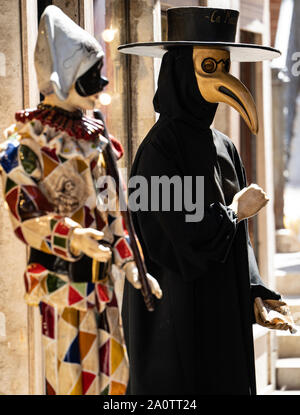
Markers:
(49, 177)
(51, 162)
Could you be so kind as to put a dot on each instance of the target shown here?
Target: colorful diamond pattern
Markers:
(9, 160)
(123, 248)
(54, 283)
(12, 199)
(48, 320)
(74, 296)
(73, 354)
(10, 184)
(103, 292)
(104, 357)
(87, 379)
(86, 341)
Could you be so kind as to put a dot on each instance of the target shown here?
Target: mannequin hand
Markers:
(249, 201)
(86, 240)
(132, 276)
(273, 314)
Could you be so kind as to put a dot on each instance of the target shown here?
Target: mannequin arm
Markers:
(30, 212)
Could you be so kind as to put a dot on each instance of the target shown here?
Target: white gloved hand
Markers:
(249, 201)
(86, 240)
(132, 276)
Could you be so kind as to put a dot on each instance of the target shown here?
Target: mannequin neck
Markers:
(54, 101)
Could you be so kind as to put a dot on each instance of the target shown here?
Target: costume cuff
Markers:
(265, 293)
(122, 251)
(61, 231)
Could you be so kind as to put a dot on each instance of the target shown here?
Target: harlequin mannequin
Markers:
(207, 269)
(50, 165)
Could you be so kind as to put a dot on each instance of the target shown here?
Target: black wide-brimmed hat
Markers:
(203, 26)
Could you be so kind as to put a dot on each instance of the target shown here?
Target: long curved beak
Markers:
(223, 87)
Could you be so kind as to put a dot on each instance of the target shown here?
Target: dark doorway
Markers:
(248, 146)
(42, 4)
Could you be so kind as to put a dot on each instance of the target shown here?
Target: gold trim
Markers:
(95, 271)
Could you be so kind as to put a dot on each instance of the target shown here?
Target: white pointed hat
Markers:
(64, 51)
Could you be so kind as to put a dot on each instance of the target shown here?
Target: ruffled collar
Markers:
(75, 123)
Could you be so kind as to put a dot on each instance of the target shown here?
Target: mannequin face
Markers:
(73, 102)
(91, 82)
(80, 97)
(217, 85)
(77, 101)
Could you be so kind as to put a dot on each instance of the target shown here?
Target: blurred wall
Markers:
(14, 363)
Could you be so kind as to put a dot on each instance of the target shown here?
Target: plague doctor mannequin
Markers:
(78, 253)
(199, 339)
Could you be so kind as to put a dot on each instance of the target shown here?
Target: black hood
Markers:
(184, 129)
(178, 95)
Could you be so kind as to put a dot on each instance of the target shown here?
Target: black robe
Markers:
(199, 338)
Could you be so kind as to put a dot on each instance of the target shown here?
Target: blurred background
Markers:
(271, 159)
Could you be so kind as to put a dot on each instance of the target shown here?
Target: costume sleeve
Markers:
(121, 246)
(32, 216)
(117, 237)
(196, 244)
(115, 233)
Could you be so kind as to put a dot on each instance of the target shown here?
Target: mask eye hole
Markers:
(227, 65)
(209, 65)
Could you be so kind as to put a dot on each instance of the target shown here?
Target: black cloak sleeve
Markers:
(258, 287)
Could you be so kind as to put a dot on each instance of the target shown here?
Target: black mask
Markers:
(91, 82)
